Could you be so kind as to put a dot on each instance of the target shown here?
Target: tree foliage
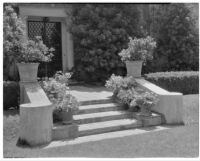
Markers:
(13, 38)
(177, 39)
(100, 32)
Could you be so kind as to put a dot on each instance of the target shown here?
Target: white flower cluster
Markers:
(129, 92)
(138, 49)
(58, 92)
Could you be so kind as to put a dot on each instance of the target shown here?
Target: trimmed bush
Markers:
(186, 82)
(11, 94)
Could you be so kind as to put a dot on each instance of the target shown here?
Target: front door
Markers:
(51, 35)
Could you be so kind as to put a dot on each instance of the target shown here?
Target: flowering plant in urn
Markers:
(138, 52)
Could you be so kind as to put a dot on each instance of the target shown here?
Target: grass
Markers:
(181, 141)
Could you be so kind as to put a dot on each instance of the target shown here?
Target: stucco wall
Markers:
(58, 13)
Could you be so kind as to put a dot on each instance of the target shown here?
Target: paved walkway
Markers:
(83, 93)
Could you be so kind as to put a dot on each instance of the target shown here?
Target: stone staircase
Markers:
(101, 116)
(97, 116)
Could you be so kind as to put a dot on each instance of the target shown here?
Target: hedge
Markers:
(186, 82)
(11, 93)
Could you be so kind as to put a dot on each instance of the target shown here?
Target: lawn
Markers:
(181, 141)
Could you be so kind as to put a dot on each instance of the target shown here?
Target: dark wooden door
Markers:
(51, 35)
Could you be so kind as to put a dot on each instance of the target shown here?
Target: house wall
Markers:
(58, 14)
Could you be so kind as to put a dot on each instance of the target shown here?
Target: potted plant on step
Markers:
(138, 51)
(65, 109)
(58, 92)
(146, 101)
(115, 83)
(31, 53)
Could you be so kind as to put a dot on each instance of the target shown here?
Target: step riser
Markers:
(103, 109)
(101, 119)
(91, 102)
(110, 129)
(65, 132)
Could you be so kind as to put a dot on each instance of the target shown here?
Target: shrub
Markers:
(127, 90)
(186, 82)
(57, 91)
(115, 83)
(17, 47)
(14, 32)
(100, 32)
(177, 39)
(138, 49)
(33, 51)
(11, 94)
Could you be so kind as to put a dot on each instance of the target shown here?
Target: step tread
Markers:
(96, 101)
(106, 124)
(99, 114)
(95, 106)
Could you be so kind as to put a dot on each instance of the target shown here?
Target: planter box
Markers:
(134, 68)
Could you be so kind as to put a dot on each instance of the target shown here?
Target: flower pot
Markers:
(134, 68)
(145, 111)
(28, 71)
(66, 117)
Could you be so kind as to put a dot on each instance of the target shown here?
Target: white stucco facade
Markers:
(55, 14)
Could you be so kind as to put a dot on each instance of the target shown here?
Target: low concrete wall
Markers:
(36, 120)
(36, 117)
(170, 104)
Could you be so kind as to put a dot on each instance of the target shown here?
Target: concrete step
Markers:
(101, 116)
(99, 108)
(108, 126)
(99, 101)
(61, 131)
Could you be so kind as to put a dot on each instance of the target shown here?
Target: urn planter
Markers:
(64, 117)
(134, 68)
(28, 71)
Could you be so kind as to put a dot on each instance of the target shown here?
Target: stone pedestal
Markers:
(36, 119)
(36, 123)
